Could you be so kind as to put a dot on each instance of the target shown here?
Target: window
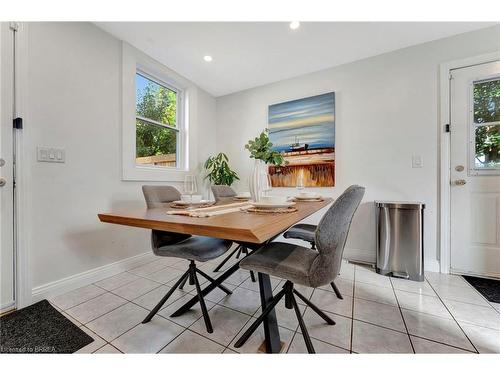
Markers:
(156, 112)
(485, 132)
(157, 131)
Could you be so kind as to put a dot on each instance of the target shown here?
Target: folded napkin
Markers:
(212, 211)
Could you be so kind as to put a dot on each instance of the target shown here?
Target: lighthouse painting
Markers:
(303, 130)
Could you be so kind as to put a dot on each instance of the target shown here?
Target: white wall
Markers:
(386, 111)
(74, 102)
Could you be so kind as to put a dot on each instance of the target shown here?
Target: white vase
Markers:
(258, 179)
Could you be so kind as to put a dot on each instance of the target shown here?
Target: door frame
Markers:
(445, 70)
(23, 287)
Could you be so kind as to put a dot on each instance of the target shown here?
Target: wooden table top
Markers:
(236, 226)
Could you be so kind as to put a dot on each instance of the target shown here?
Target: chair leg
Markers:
(252, 276)
(238, 254)
(305, 334)
(204, 309)
(336, 290)
(241, 341)
(186, 276)
(315, 308)
(226, 259)
(222, 287)
(165, 298)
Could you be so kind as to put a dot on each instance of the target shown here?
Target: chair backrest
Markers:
(222, 191)
(331, 234)
(160, 196)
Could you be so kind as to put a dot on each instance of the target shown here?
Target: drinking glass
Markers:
(190, 185)
(300, 180)
(267, 184)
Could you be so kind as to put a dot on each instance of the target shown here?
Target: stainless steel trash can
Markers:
(400, 244)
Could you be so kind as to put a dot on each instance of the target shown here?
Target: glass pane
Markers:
(487, 101)
(155, 102)
(155, 145)
(487, 147)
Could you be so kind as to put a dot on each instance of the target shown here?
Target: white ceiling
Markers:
(250, 54)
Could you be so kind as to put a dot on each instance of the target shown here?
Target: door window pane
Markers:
(155, 102)
(487, 101)
(487, 147)
(155, 145)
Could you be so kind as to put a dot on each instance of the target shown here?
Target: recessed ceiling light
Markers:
(207, 58)
(294, 25)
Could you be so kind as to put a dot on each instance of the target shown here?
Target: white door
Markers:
(475, 170)
(7, 259)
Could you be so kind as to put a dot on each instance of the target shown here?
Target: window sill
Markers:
(154, 174)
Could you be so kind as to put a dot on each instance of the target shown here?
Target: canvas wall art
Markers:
(304, 131)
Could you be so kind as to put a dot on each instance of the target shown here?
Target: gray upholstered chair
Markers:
(184, 246)
(307, 232)
(305, 266)
(221, 192)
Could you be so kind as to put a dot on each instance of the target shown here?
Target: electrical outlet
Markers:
(51, 155)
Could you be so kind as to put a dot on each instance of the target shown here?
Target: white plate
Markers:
(272, 205)
(307, 198)
(203, 201)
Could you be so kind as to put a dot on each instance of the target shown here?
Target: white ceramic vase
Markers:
(258, 180)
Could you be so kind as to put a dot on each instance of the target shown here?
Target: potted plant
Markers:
(261, 150)
(219, 172)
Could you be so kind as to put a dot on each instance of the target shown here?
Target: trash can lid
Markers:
(401, 205)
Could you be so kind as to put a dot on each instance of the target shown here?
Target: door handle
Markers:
(459, 182)
(3, 181)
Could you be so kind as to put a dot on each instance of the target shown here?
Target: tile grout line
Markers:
(402, 317)
(456, 321)
(477, 291)
(352, 307)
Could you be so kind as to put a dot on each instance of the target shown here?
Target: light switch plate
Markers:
(51, 154)
(417, 161)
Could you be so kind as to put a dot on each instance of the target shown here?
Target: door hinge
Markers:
(14, 26)
(447, 128)
(18, 123)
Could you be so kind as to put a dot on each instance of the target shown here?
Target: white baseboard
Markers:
(91, 276)
(431, 265)
(365, 256)
(7, 307)
(369, 257)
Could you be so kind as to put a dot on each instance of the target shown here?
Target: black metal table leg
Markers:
(271, 332)
(207, 290)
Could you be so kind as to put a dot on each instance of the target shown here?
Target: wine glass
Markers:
(299, 183)
(267, 184)
(190, 186)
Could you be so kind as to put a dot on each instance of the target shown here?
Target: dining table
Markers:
(240, 226)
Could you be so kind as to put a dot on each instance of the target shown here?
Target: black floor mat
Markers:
(40, 328)
(489, 288)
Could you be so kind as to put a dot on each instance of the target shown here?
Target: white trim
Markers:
(133, 61)
(431, 265)
(91, 276)
(444, 142)
(7, 307)
(367, 256)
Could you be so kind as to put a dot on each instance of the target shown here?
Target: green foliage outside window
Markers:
(158, 103)
(487, 110)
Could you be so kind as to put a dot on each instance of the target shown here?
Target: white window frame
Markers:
(473, 171)
(133, 62)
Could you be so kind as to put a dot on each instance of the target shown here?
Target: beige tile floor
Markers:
(377, 315)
